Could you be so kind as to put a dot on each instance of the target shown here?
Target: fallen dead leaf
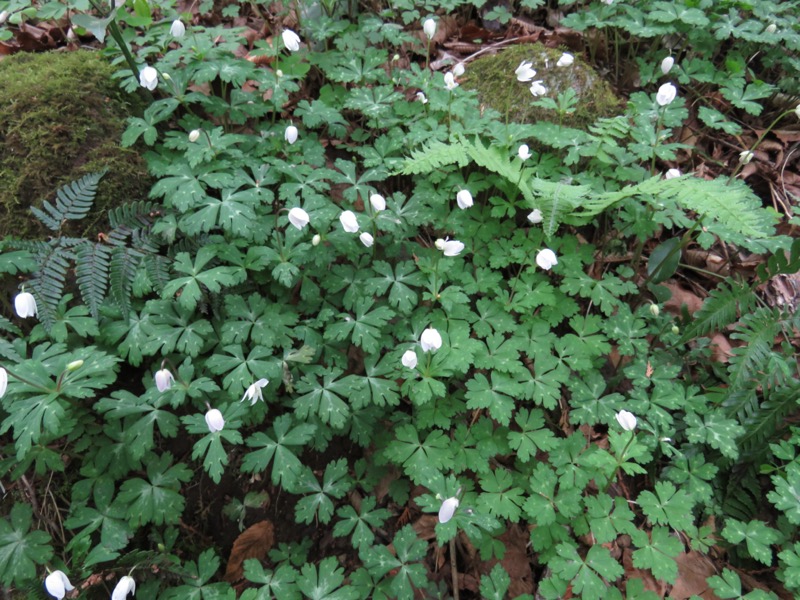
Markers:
(253, 542)
(693, 569)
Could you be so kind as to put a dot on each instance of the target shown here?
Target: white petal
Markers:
(214, 420)
(409, 359)
(298, 217)
(349, 221)
(448, 509)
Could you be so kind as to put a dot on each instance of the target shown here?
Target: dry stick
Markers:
(453, 568)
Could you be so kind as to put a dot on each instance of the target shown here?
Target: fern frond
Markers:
(157, 268)
(135, 214)
(758, 331)
(122, 271)
(722, 308)
(91, 271)
(73, 201)
(766, 420)
(47, 284)
(435, 156)
(743, 495)
(780, 264)
(7, 349)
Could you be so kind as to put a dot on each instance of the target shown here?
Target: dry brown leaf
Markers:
(681, 296)
(253, 542)
(720, 348)
(693, 569)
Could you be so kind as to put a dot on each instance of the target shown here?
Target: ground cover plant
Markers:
(370, 338)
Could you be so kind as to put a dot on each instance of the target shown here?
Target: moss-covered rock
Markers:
(497, 86)
(61, 117)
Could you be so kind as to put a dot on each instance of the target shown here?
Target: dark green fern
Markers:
(73, 202)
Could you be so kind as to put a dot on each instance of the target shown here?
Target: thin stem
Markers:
(620, 460)
(453, 567)
(758, 142)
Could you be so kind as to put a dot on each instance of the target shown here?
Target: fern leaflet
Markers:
(722, 307)
(73, 201)
(91, 270)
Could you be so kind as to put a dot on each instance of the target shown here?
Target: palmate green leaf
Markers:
(377, 386)
(196, 584)
(419, 459)
(323, 400)
(786, 495)
(233, 212)
(325, 583)
(156, 500)
(716, 431)
(657, 552)
(108, 518)
(791, 570)
(258, 321)
(399, 282)
(532, 436)
(499, 498)
(279, 449)
(588, 576)
(758, 535)
(729, 587)
(365, 329)
(360, 523)
(167, 327)
(668, 506)
(191, 286)
(20, 549)
(694, 475)
(407, 571)
(242, 370)
(608, 518)
(495, 585)
(140, 414)
(497, 396)
(503, 354)
(210, 447)
(278, 584)
(317, 504)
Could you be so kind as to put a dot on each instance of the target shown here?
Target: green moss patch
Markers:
(497, 86)
(61, 117)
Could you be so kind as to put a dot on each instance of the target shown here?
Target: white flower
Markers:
(626, 420)
(57, 584)
(409, 359)
(566, 60)
(450, 81)
(348, 221)
(25, 305)
(546, 259)
(429, 27)
(672, 174)
(666, 94)
(464, 199)
(194, 135)
(316, 239)
(430, 340)
(797, 111)
(290, 135)
(71, 37)
(609, 2)
(524, 152)
(214, 420)
(178, 29)
(537, 89)
(298, 217)
(378, 202)
(291, 40)
(535, 216)
(459, 69)
(421, 97)
(771, 28)
(125, 586)
(449, 247)
(448, 509)
(148, 78)
(666, 64)
(745, 156)
(164, 380)
(366, 239)
(253, 393)
(4, 381)
(4, 16)
(525, 71)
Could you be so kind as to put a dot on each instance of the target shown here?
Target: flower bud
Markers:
(316, 239)
(194, 135)
(626, 420)
(429, 27)
(448, 509)
(666, 64)
(771, 28)
(75, 365)
(745, 156)
(4, 16)
(675, 329)
(654, 310)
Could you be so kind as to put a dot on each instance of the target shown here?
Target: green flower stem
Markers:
(760, 139)
(453, 567)
(620, 460)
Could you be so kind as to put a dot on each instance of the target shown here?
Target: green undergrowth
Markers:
(355, 311)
